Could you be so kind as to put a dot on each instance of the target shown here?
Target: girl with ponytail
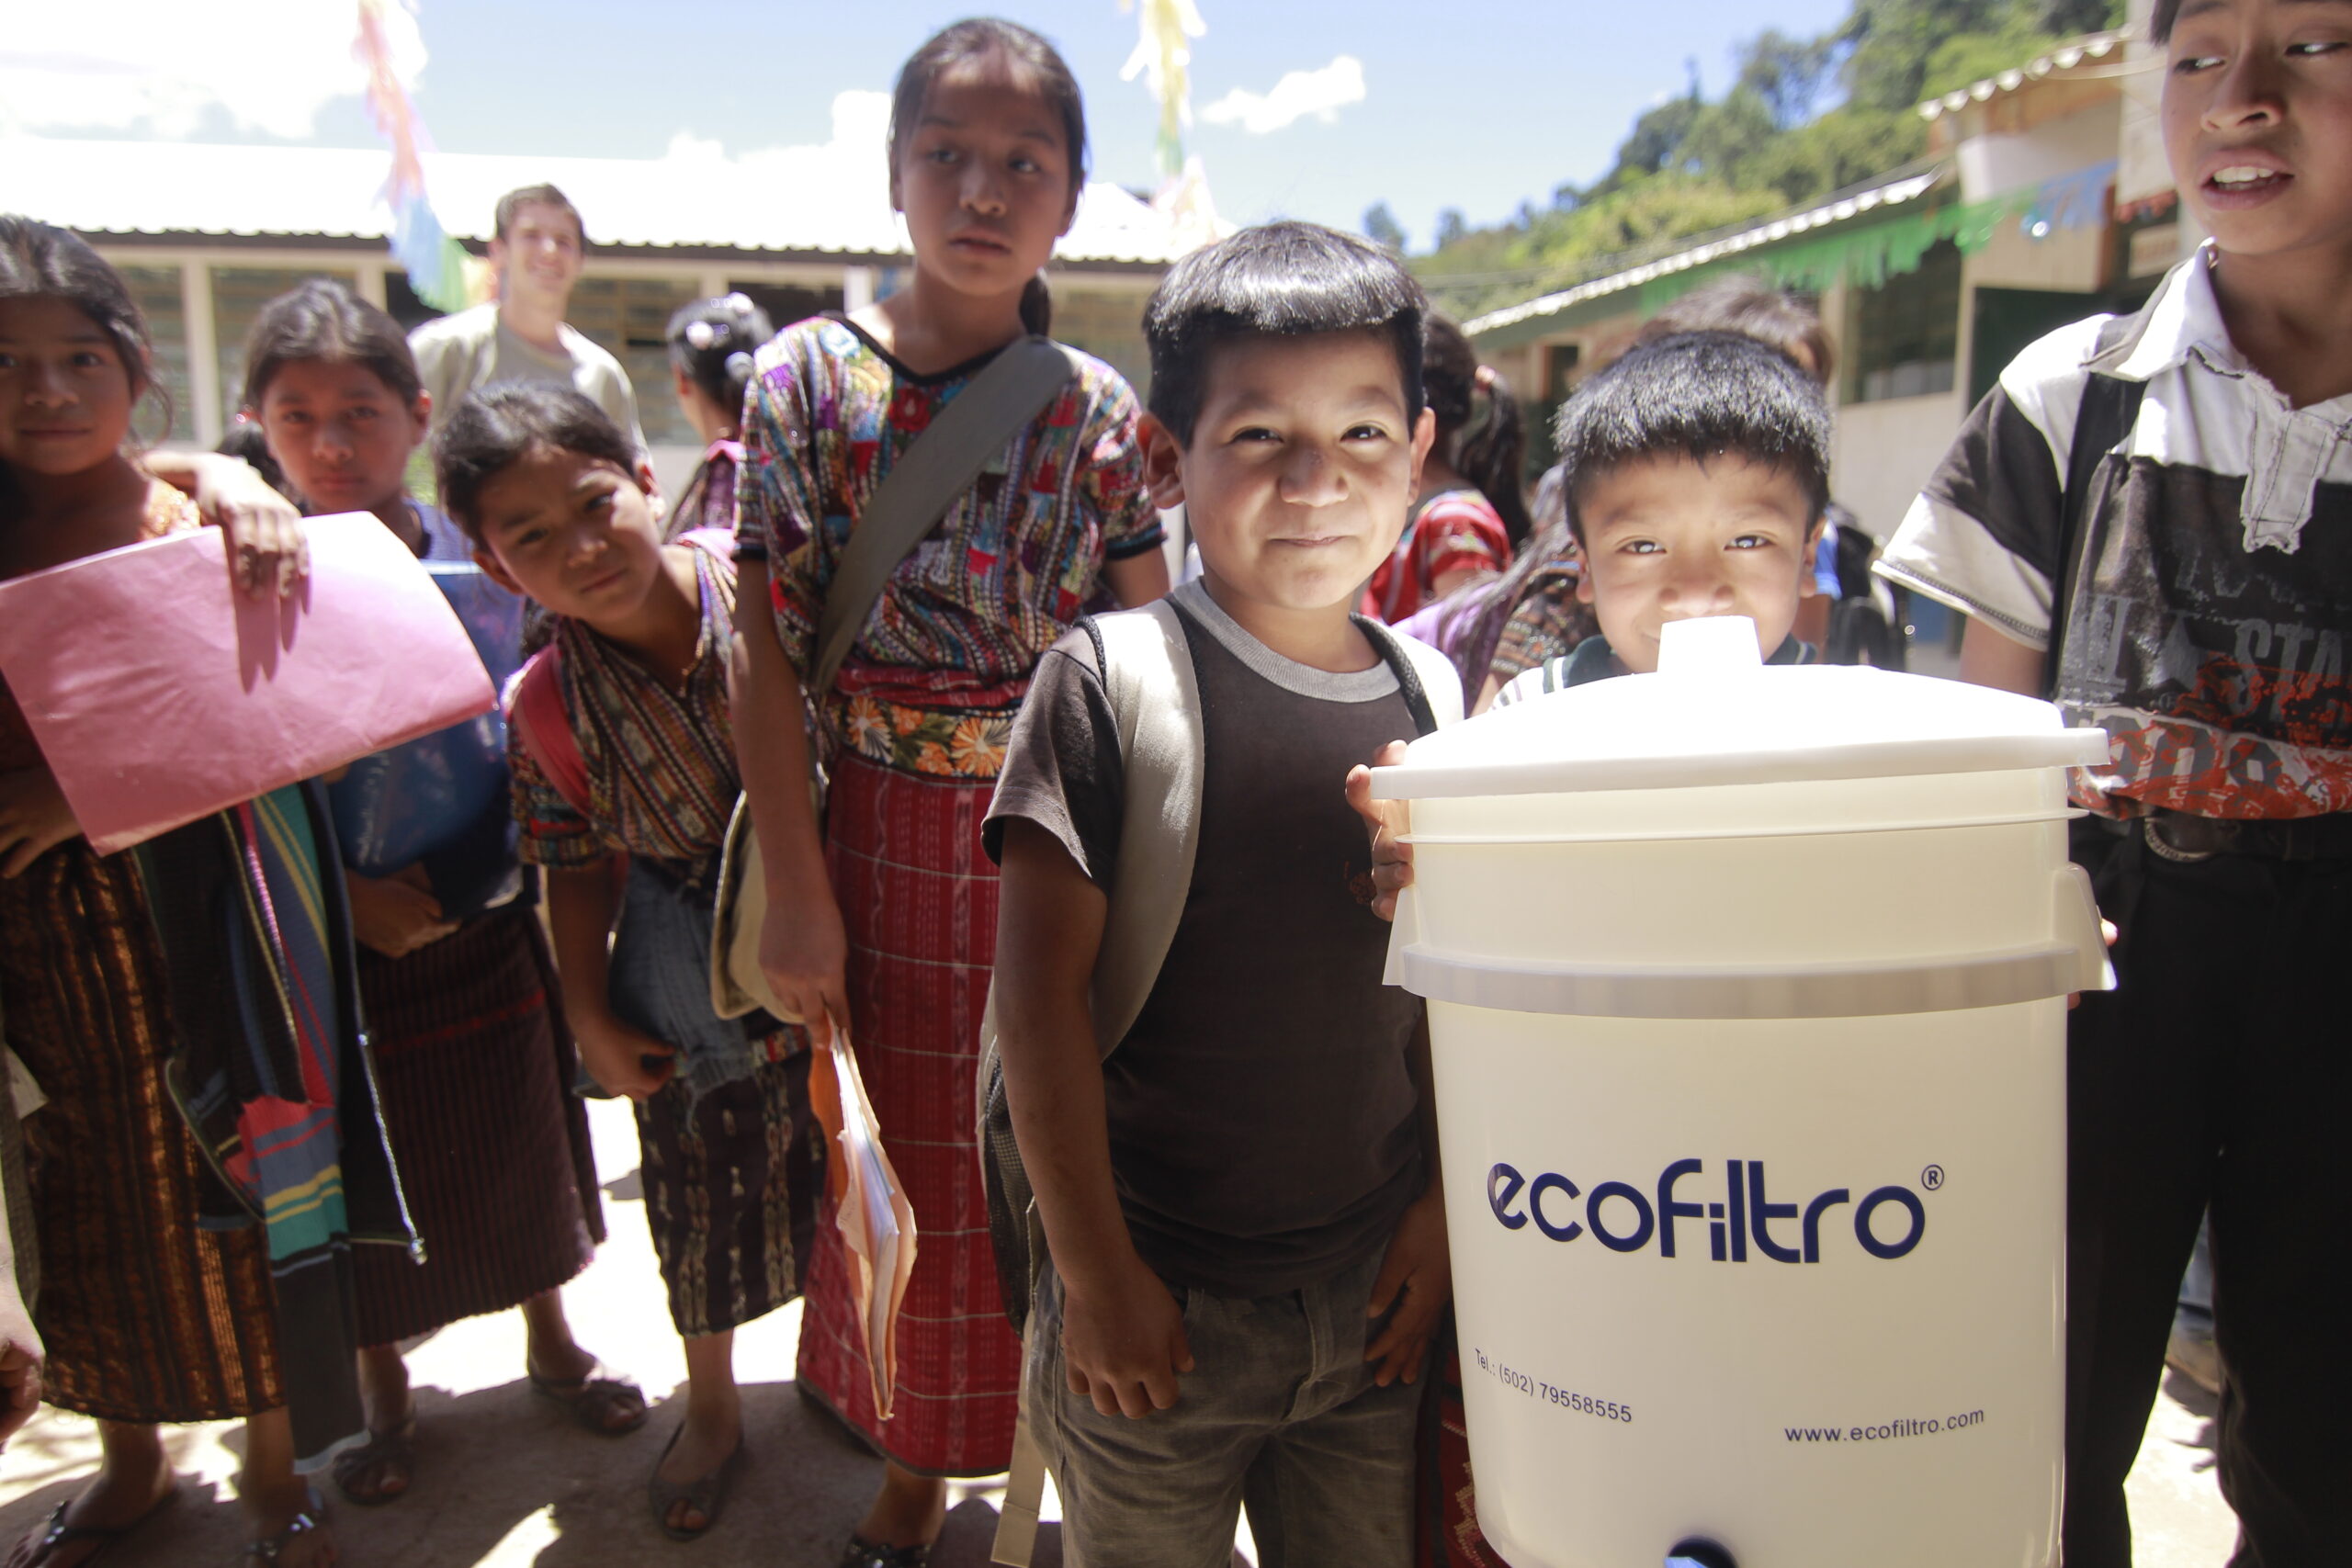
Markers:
(882, 919)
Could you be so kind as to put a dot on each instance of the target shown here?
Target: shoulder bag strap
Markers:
(2103, 422)
(930, 474)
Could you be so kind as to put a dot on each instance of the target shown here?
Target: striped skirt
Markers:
(474, 1070)
(918, 895)
(146, 1317)
(731, 1177)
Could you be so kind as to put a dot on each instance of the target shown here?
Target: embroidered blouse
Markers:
(941, 666)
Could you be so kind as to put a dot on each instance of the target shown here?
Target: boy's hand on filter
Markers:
(34, 818)
(624, 1061)
(1388, 820)
(804, 953)
(1417, 1280)
(268, 552)
(1123, 1342)
(393, 916)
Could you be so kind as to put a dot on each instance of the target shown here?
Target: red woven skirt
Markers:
(918, 895)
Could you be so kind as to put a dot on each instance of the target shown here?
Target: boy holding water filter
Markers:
(1241, 1199)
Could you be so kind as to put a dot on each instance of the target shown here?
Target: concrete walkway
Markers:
(505, 1480)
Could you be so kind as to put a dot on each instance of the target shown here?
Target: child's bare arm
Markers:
(1989, 658)
(581, 904)
(1417, 1275)
(804, 949)
(1123, 1334)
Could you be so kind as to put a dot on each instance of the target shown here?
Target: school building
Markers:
(206, 234)
(2044, 198)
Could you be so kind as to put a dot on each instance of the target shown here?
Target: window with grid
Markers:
(1906, 332)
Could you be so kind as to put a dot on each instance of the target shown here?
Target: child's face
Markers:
(2257, 121)
(575, 532)
(343, 436)
(1301, 468)
(1671, 539)
(985, 179)
(65, 394)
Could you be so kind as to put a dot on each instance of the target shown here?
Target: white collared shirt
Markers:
(2213, 598)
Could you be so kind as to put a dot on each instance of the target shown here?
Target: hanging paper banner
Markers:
(440, 272)
(1163, 57)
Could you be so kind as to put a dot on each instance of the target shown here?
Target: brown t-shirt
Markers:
(1262, 1115)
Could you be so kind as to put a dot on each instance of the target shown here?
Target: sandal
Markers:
(705, 1494)
(56, 1532)
(395, 1451)
(308, 1521)
(587, 1398)
(863, 1553)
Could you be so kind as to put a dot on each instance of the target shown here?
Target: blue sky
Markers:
(1475, 103)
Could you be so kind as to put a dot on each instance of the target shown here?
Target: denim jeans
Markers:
(1280, 1416)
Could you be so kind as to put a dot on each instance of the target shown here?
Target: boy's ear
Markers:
(1808, 583)
(421, 410)
(495, 569)
(1424, 437)
(1163, 462)
(1584, 584)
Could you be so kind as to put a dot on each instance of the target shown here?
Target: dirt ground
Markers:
(505, 1481)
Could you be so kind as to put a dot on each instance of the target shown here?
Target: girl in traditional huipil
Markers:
(883, 920)
(164, 1295)
(711, 345)
(473, 1062)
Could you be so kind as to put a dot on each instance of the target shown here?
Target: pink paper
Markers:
(160, 694)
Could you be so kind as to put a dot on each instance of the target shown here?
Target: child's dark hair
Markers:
(1752, 308)
(1287, 279)
(511, 205)
(39, 259)
(2160, 21)
(991, 38)
(495, 428)
(712, 340)
(1479, 429)
(245, 441)
(324, 321)
(1701, 396)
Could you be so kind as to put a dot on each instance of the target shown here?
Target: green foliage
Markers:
(1690, 165)
(1380, 226)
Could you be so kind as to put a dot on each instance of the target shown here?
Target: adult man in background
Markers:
(536, 256)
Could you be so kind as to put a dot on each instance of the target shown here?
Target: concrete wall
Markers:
(1881, 453)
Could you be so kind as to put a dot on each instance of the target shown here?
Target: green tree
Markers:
(1380, 226)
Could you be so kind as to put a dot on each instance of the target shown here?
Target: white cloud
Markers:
(156, 67)
(1299, 93)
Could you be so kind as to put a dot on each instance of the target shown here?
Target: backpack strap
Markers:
(535, 708)
(1426, 677)
(1147, 675)
(2103, 422)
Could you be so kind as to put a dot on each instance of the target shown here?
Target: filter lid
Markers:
(1715, 713)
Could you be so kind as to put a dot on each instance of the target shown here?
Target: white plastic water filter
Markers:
(1747, 998)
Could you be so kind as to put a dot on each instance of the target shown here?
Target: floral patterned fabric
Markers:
(933, 680)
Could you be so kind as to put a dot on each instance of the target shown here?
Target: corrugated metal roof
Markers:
(1889, 194)
(2093, 46)
(798, 200)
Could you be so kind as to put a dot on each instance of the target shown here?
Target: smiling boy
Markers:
(2150, 520)
(1699, 474)
(1241, 1200)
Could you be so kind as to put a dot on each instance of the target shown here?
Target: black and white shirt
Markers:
(2212, 597)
